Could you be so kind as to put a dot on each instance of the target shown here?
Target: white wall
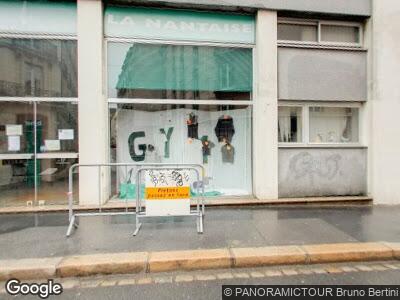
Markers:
(385, 102)
(92, 115)
(265, 112)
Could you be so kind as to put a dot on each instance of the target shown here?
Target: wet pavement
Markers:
(43, 235)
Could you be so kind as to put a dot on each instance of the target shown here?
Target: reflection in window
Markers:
(16, 127)
(341, 34)
(57, 128)
(36, 67)
(333, 125)
(298, 32)
(179, 72)
(219, 137)
(289, 124)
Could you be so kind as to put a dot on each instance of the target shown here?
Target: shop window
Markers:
(298, 32)
(320, 33)
(216, 136)
(340, 34)
(48, 68)
(52, 180)
(179, 72)
(16, 128)
(57, 127)
(333, 125)
(289, 124)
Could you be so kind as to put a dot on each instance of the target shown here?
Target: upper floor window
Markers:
(320, 33)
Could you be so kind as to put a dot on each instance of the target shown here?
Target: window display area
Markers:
(217, 136)
(333, 125)
(326, 124)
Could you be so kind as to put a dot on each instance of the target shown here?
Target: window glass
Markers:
(179, 72)
(219, 137)
(36, 67)
(16, 128)
(289, 124)
(341, 34)
(57, 128)
(333, 125)
(52, 180)
(17, 182)
(298, 32)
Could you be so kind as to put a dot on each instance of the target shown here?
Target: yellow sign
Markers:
(167, 193)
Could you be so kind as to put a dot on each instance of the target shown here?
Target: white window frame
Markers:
(319, 24)
(305, 105)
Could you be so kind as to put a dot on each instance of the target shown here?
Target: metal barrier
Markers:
(198, 213)
(73, 216)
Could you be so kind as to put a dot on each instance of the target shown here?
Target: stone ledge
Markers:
(30, 268)
(163, 261)
(86, 265)
(253, 257)
(189, 260)
(347, 252)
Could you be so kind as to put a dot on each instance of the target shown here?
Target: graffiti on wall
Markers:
(304, 164)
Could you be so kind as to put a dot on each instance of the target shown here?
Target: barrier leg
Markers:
(138, 225)
(200, 218)
(71, 224)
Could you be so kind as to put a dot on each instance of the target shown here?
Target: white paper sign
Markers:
(65, 134)
(167, 192)
(13, 129)
(52, 145)
(14, 143)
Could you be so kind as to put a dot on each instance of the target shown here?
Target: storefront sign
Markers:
(183, 25)
(167, 192)
(37, 17)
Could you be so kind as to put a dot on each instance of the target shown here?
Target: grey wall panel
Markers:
(344, 7)
(315, 74)
(322, 172)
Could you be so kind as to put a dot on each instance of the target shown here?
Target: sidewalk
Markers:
(43, 235)
(231, 235)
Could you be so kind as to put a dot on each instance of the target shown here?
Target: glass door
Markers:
(38, 144)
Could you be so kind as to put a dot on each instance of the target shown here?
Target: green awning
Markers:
(186, 68)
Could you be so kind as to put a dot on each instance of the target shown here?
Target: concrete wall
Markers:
(346, 7)
(307, 172)
(311, 74)
(93, 109)
(265, 108)
(385, 100)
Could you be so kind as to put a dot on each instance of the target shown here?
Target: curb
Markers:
(218, 202)
(163, 261)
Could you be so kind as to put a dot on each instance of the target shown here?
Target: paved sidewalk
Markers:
(43, 235)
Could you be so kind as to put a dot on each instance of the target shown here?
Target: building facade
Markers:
(277, 99)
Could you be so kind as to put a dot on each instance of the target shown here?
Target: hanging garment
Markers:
(224, 129)
(193, 126)
(228, 153)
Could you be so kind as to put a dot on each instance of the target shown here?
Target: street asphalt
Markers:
(43, 235)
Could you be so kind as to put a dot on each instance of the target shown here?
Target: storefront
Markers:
(180, 89)
(274, 105)
(38, 101)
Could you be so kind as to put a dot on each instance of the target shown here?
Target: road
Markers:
(208, 284)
